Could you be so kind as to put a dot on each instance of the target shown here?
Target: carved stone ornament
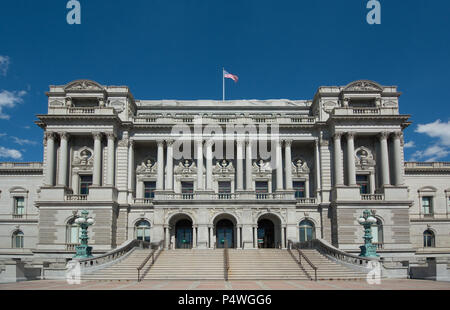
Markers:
(364, 158)
(84, 85)
(186, 167)
(261, 167)
(83, 157)
(147, 167)
(224, 167)
(300, 167)
(363, 86)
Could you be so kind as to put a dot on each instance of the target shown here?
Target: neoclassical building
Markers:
(255, 173)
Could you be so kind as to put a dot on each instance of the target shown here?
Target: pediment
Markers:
(83, 85)
(363, 86)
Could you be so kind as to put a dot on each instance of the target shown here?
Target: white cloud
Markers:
(4, 64)
(23, 141)
(410, 144)
(432, 153)
(10, 100)
(437, 129)
(10, 153)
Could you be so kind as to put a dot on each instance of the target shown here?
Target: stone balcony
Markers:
(81, 111)
(365, 111)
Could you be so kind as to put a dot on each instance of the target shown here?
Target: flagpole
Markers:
(223, 81)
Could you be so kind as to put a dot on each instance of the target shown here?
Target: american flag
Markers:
(227, 75)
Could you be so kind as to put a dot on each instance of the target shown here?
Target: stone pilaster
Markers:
(338, 176)
(160, 166)
(351, 159)
(385, 176)
(279, 166)
(248, 166)
(240, 165)
(50, 175)
(169, 164)
(200, 184)
(288, 164)
(97, 159)
(209, 167)
(398, 158)
(63, 159)
(111, 159)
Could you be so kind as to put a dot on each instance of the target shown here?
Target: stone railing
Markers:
(143, 201)
(229, 196)
(366, 111)
(72, 197)
(306, 201)
(104, 260)
(82, 111)
(372, 197)
(18, 166)
(328, 250)
(225, 120)
(427, 165)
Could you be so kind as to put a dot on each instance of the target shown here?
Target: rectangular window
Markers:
(262, 187)
(85, 182)
(363, 183)
(427, 205)
(19, 206)
(149, 190)
(225, 187)
(299, 188)
(187, 187)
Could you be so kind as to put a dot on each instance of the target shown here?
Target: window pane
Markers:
(299, 188)
(363, 182)
(375, 234)
(187, 187)
(74, 235)
(149, 190)
(224, 187)
(262, 187)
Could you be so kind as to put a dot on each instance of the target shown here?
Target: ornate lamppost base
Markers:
(369, 250)
(83, 251)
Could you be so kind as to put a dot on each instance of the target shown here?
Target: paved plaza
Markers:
(232, 285)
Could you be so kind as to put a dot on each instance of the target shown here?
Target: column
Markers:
(200, 165)
(50, 176)
(238, 237)
(169, 164)
(167, 241)
(338, 177)
(317, 168)
(111, 159)
(351, 159)
(209, 167)
(97, 178)
(131, 171)
(240, 165)
(211, 239)
(194, 236)
(248, 166)
(160, 166)
(255, 237)
(63, 159)
(372, 183)
(307, 190)
(283, 233)
(384, 158)
(279, 166)
(288, 164)
(398, 158)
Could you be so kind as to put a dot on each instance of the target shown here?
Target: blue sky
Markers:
(174, 49)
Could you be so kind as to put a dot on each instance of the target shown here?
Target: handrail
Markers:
(226, 261)
(152, 256)
(327, 249)
(300, 255)
(111, 256)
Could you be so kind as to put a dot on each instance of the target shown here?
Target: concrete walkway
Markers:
(232, 285)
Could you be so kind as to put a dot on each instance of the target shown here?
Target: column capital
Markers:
(240, 141)
(383, 135)
(337, 135)
(351, 135)
(97, 135)
(111, 136)
(288, 142)
(170, 142)
(131, 143)
(49, 135)
(64, 135)
(209, 143)
(199, 141)
(397, 134)
(160, 143)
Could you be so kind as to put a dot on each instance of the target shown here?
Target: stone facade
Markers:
(130, 163)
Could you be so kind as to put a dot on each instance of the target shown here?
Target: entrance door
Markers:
(183, 234)
(225, 232)
(266, 234)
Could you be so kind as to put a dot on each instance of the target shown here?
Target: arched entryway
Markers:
(183, 234)
(225, 234)
(269, 232)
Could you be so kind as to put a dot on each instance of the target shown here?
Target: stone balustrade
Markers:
(372, 197)
(225, 120)
(82, 111)
(366, 111)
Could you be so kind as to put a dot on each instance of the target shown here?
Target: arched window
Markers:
(307, 231)
(429, 239)
(17, 240)
(73, 233)
(377, 233)
(143, 230)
